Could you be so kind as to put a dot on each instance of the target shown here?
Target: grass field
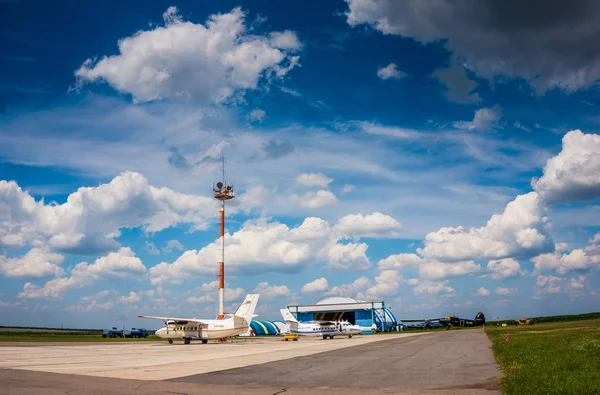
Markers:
(549, 358)
(53, 335)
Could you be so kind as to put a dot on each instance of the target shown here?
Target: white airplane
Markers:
(327, 329)
(190, 329)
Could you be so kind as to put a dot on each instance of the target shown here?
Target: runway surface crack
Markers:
(451, 361)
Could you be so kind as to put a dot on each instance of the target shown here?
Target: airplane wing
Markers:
(326, 322)
(175, 319)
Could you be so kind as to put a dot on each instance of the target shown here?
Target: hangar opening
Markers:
(372, 315)
(349, 316)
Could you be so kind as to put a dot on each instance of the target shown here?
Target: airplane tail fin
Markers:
(480, 318)
(288, 317)
(246, 309)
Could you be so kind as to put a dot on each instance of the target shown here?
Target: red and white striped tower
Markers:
(222, 192)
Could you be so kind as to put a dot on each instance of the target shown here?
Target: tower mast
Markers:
(222, 192)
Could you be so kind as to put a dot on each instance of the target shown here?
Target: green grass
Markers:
(556, 318)
(52, 335)
(549, 358)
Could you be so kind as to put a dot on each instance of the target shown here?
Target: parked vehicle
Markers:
(135, 332)
(113, 332)
(523, 321)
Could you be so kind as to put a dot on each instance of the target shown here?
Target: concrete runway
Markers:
(446, 362)
(161, 361)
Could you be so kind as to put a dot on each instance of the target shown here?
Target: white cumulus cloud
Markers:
(151, 248)
(484, 119)
(287, 40)
(310, 180)
(400, 261)
(351, 290)
(209, 63)
(132, 298)
(376, 225)
(522, 230)
(441, 288)
(318, 285)
(428, 268)
(505, 268)
(483, 292)
(91, 218)
(347, 188)
(573, 287)
(207, 292)
(172, 245)
(387, 284)
(594, 247)
(573, 174)
(261, 246)
(576, 260)
(256, 115)
(390, 71)
(268, 292)
(351, 256)
(37, 263)
(116, 265)
(504, 291)
(440, 270)
(318, 199)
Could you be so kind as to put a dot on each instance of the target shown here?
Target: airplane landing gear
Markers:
(187, 340)
(170, 341)
(204, 341)
(349, 336)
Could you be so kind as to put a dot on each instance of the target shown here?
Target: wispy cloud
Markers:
(27, 90)
(388, 131)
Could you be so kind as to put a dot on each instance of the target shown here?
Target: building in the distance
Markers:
(373, 315)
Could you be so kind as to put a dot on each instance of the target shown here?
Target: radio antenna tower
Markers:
(222, 192)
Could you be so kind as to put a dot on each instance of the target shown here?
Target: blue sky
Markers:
(442, 158)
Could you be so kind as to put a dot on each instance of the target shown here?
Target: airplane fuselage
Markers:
(209, 329)
(325, 330)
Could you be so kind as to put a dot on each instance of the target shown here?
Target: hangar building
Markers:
(367, 314)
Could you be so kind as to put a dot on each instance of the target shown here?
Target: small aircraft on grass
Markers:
(453, 320)
(422, 324)
(327, 329)
(190, 329)
(447, 322)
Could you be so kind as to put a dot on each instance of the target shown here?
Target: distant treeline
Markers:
(41, 328)
(46, 333)
(556, 318)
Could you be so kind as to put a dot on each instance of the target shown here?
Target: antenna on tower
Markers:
(223, 169)
(221, 190)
